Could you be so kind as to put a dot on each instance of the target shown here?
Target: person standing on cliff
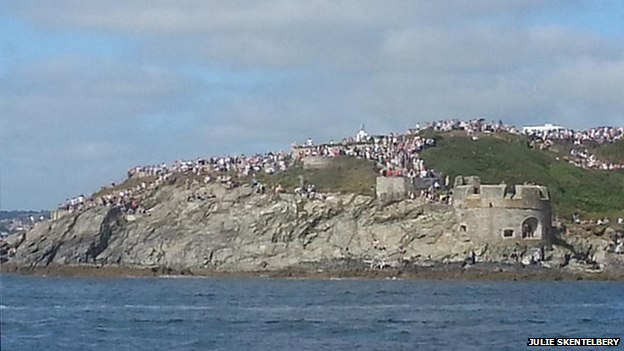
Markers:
(279, 189)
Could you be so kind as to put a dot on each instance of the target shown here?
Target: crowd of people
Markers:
(76, 203)
(153, 176)
(127, 199)
(268, 163)
(544, 138)
(580, 156)
(583, 159)
(397, 154)
(576, 218)
(470, 126)
(599, 135)
(433, 195)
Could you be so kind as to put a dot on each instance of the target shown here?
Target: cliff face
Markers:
(239, 230)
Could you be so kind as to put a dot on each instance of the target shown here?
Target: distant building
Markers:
(546, 128)
(361, 135)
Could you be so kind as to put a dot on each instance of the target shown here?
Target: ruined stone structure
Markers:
(502, 213)
(393, 188)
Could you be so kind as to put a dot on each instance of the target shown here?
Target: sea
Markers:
(176, 313)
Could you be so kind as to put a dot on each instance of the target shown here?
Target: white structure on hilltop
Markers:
(361, 135)
(546, 128)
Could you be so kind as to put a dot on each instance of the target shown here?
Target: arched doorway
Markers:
(531, 228)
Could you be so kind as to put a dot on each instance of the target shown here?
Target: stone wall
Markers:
(393, 188)
(497, 225)
(300, 151)
(472, 194)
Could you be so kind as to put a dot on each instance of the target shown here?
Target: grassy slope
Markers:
(607, 152)
(611, 152)
(594, 193)
(346, 175)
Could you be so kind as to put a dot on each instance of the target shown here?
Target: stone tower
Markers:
(502, 213)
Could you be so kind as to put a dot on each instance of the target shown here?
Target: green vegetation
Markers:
(507, 158)
(495, 158)
(129, 183)
(345, 175)
(611, 152)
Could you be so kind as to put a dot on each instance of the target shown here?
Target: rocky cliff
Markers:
(239, 230)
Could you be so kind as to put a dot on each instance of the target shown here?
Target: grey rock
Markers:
(239, 230)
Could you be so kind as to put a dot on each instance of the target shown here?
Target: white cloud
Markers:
(339, 63)
(88, 88)
(190, 16)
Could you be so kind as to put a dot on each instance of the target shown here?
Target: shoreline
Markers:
(450, 272)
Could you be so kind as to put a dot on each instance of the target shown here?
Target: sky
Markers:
(89, 89)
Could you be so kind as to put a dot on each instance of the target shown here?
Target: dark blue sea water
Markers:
(65, 314)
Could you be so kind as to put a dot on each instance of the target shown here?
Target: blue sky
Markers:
(89, 89)
(603, 17)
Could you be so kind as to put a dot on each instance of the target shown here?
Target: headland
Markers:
(393, 206)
